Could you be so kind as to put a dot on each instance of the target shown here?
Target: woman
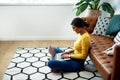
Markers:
(77, 55)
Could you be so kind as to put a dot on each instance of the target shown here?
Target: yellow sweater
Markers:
(81, 46)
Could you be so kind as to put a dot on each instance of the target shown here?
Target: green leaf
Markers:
(97, 3)
(87, 1)
(108, 8)
(78, 12)
(82, 1)
(81, 8)
(79, 2)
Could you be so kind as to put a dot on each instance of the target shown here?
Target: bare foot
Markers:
(52, 52)
(55, 71)
(48, 58)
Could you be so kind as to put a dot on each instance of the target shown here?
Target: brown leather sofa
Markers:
(108, 66)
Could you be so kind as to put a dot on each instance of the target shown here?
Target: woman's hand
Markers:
(65, 52)
(64, 56)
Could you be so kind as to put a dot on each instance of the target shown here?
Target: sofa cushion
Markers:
(117, 38)
(114, 25)
(110, 51)
(101, 26)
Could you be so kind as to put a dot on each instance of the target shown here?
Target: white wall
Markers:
(36, 22)
(116, 5)
(43, 22)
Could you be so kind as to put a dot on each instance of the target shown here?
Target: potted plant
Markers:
(82, 5)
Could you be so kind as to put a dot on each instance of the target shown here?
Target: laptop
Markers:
(58, 57)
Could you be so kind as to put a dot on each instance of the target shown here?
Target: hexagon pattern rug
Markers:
(31, 64)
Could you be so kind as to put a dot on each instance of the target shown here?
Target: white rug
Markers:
(31, 64)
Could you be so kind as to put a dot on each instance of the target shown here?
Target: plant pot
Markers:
(93, 13)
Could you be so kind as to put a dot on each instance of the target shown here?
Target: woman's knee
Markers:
(51, 63)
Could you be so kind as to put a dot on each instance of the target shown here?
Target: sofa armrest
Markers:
(116, 64)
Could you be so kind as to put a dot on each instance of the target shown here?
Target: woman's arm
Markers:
(66, 54)
(68, 51)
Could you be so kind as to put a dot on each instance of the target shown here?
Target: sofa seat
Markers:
(102, 61)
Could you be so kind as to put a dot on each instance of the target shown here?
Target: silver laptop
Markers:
(58, 57)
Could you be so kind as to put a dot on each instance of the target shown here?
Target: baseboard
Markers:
(38, 38)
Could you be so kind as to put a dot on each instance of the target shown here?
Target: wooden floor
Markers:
(8, 48)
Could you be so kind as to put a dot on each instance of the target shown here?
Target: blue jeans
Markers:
(66, 65)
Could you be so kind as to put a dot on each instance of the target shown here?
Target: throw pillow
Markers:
(117, 38)
(101, 26)
(114, 25)
(110, 51)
